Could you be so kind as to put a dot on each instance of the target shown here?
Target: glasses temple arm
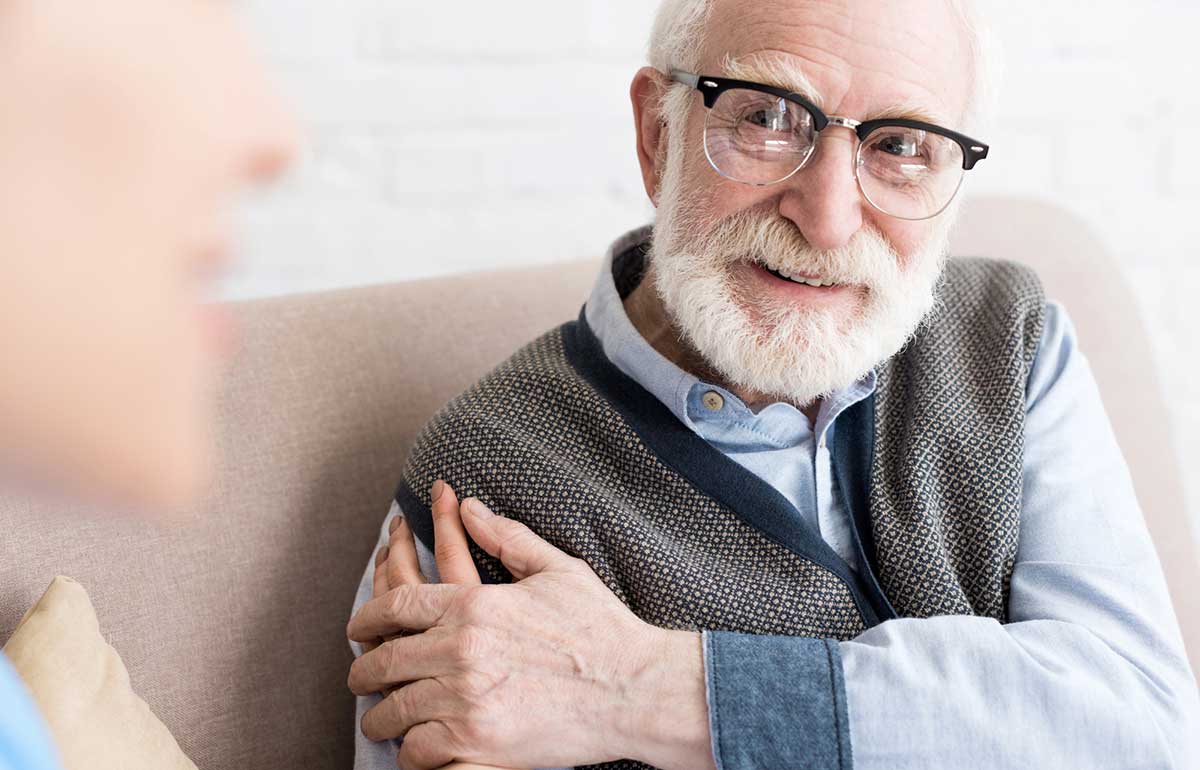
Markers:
(687, 78)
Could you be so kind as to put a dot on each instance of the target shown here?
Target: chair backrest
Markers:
(1081, 273)
(232, 626)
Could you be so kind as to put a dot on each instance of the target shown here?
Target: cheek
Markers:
(106, 387)
(153, 407)
(907, 238)
(716, 199)
(108, 185)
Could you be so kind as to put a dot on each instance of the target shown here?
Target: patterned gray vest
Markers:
(929, 468)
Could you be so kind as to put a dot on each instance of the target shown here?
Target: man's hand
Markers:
(553, 670)
(397, 564)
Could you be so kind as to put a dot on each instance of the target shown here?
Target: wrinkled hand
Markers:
(396, 564)
(551, 671)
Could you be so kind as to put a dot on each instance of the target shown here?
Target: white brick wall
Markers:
(448, 137)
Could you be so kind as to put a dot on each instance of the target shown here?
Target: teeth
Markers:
(815, 282)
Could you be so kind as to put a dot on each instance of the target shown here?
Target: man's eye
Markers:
(900, 146)
(769, 119)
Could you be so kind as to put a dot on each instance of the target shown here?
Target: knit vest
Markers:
(929, 467)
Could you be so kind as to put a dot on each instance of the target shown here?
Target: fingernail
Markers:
(477, 509)
(392, 526)
(381, 557)
(439, 486)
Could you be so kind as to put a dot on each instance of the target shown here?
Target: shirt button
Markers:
(713, 401)
(822, 442)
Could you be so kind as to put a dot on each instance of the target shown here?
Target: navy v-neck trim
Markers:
(853, 451)
(753, 500)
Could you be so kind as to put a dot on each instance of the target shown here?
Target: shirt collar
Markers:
(778, 425)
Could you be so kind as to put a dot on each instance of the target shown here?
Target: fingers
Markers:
(401, 660)
(454, 561)
(521, 551)
(427, 746)
(404, 709)
(379, 585)
(405, 608)
(402, 566)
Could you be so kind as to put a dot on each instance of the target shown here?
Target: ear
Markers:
(646, 94)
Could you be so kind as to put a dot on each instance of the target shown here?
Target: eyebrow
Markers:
(771, 70)
(782, 72)
(910, 111)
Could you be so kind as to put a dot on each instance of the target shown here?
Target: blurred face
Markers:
(129, 127)
(735, 265)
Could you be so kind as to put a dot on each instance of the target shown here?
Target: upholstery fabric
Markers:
(82, 689)
(232, 620)
(232, 623)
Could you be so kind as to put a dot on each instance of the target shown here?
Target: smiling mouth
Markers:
(819, 283)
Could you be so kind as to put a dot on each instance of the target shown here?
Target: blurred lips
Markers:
(212, 262)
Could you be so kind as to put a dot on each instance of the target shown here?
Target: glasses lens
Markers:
(909, 173)
(757, 138)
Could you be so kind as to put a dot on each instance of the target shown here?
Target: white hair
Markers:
(781, 350)
(679, 36)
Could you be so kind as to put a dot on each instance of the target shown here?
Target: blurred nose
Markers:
(265, 133)
(823, 200)
(274, 140)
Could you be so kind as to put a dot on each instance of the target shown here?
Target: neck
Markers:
(648, 315)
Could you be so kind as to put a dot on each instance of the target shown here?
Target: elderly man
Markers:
(795, 490)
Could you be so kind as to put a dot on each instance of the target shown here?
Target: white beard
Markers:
(780, 350)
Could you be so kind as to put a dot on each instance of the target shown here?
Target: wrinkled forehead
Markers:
(856, 58)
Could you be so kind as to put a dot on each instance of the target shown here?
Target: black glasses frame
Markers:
(712, 87)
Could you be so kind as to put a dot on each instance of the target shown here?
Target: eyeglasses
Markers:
(761, 135)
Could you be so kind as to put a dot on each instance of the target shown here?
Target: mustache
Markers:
(766, 238)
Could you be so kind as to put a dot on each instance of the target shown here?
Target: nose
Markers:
(274, 141)
(823, 199)
(264, 133)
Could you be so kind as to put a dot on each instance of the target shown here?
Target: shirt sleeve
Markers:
(25, 742)
(1089, 672)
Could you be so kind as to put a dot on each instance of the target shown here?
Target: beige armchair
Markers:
(232, 626)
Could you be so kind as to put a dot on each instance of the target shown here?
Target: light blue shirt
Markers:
(24, 741)
(1090, 672)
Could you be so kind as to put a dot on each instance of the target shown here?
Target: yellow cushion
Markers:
(82, 688)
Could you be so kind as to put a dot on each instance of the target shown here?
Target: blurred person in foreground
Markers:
(796, 490)
(129, 128)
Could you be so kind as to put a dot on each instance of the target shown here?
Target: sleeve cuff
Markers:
(776, 701)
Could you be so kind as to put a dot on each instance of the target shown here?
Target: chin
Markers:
(170, 488)
(155, 483)
(159, 463)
